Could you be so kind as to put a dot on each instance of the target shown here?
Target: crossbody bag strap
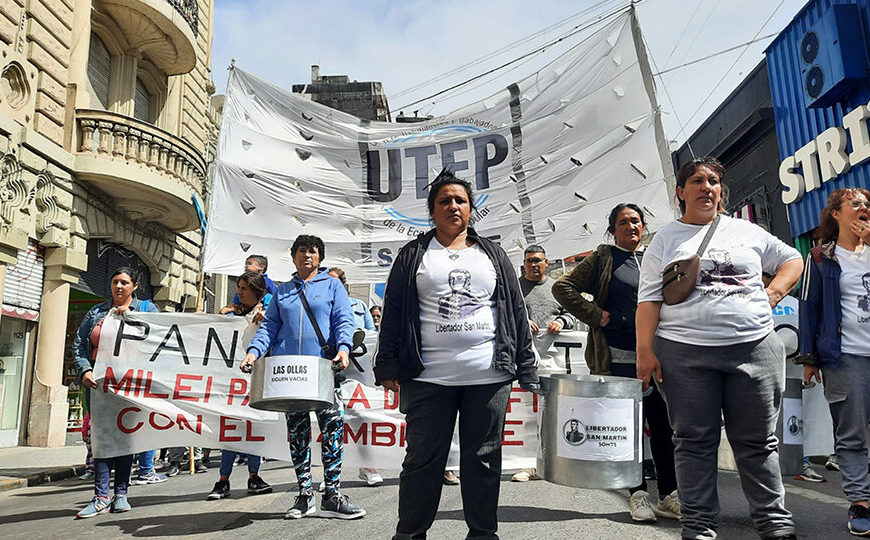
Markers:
(311, 318)
(708, 236)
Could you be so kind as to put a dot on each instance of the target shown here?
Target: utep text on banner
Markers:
(547, 157)
(173, 379)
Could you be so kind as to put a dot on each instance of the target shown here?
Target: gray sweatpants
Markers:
(847, 390)
(742, 383)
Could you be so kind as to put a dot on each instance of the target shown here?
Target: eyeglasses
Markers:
(858, 204)
(535, 260)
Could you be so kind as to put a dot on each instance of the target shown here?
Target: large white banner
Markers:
(548, 157)
(173, 379)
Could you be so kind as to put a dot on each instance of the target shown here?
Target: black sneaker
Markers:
(199, 467)
(221, 490)
(303, 506)
(173, 469)
(337, 506)
(256, 485)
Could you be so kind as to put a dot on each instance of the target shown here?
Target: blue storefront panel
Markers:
(800, 114)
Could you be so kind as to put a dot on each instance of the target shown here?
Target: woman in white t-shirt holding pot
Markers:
(454, 334)
(715, 353)
(835, 336)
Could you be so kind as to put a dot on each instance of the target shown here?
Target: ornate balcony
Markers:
(188, 9)
(164, 30)
(150, 173)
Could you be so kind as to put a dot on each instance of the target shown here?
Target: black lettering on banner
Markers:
(373, 175)
(482, 161)
(421, 166)
(178, 348)
(213, 337)
(135, 337)
(448, 158)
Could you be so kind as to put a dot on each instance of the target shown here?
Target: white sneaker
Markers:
(322, 487)
(371, 476)
(669, 507)
(525, 475)
(640, 507)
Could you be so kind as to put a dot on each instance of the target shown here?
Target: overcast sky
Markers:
(403, 43)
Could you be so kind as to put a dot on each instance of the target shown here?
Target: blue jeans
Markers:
(146, 462)
(103, 475)
(227, 458)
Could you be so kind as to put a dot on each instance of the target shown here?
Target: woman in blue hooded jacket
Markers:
(835, 337)
(287, 330)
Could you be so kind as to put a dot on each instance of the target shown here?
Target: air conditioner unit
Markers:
(833, 55)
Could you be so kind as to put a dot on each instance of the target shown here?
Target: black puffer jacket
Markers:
(399, 354)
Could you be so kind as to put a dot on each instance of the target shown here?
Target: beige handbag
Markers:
(680, 277)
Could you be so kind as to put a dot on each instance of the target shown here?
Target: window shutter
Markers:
(22, 292)
(99, 66)
(142, 103)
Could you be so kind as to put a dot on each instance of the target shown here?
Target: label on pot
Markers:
(596, 429)
(295, 376)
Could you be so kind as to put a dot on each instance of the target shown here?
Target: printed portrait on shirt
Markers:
(722, 274)
(461, 302)
(864, 300)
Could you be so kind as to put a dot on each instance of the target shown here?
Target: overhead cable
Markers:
(499, 51)
(700, 31)
(683, 33)
(542, 48)
(725, 75)
(715, 54)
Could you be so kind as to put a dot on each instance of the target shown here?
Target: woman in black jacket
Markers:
(453, 336)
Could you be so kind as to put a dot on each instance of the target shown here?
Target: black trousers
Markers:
(661, 444)
(430, 414)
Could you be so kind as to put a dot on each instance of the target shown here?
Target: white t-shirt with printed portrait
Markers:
(854, 300)
(457, 316)
(729, 304)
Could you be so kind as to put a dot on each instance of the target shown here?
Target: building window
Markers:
(142, 102)
(99, 67)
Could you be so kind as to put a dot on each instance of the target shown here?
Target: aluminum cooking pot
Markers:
(292, 383)
(591, 431)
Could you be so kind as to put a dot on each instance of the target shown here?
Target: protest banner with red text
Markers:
(173, 379)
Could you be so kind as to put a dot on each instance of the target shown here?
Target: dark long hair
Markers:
(690, 168)
(257, 283)
(611, 220)
(446, 177)
(134, 274)
(828, 229)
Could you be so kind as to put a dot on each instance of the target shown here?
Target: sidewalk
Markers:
(24, 466)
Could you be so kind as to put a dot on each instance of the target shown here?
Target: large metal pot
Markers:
(591, 432)
(292, 383)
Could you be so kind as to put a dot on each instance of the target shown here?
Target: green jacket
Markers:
(591, 276)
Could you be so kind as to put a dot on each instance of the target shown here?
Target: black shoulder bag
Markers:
(680, 277)
(326, 350)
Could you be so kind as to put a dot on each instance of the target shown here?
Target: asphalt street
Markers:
(527, 510)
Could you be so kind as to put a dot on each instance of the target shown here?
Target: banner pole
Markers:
(199, 298)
